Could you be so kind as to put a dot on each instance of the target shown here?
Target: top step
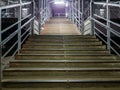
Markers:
(62, 36)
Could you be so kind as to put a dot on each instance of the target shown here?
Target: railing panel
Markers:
(111, 32)
(14, 33)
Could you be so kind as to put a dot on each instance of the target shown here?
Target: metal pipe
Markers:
(19, 25)
(79, 14)
(92, 16)
(1, 73)
(33, 15)
(72, 11)
(108, 24)
(82, 17)
(39, 21)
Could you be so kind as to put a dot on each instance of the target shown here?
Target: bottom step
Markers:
(67, 88)
(64, 85)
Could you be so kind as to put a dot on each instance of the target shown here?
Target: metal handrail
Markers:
(107, 26)
(17, 32)
(14, 5)
(6, 29)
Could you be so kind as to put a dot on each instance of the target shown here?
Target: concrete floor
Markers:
(60, 26)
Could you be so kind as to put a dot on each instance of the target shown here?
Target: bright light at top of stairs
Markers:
(59, 1)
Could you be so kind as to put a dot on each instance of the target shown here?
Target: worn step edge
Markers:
(92, 49)
(60, 81)
(78, 40)
(62, 69)
(81, 61)
(70, 36)
(62, 45)
(67, 55)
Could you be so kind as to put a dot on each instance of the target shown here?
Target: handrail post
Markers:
(92, 16)
(33, 14)
(39, 1)
(42, 11)
(108, 25)
(72, 10)
(19, 25)
(79, 15)
(1, 74)
(82, 17)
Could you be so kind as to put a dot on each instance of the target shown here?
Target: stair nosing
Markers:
(62, 69)
(68, 54)
(61, 81)
(84, 61)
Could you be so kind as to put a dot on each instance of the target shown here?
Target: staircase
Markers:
(63, 62)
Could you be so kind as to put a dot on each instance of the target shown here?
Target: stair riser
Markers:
(27, 51)
(62, 65)
(62, 57)
(61, 85)
(70, 49)
(61, 39)
(57, 43)
(84, 44)
(65, 47)
(62, 73)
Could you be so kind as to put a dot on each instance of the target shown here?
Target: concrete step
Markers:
(63, 57)
(57, 43)
(64, 47)
(65, 74)
(62, 36)
(81, 40)
(32, 51)
(62, 84)
(70, 44)
(61, 40)
(38, 64)
(70, 49)
(67, 87)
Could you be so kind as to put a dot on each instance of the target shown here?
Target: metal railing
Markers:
(43, 14)
(102, 27)
(23, 28)
(99, 21)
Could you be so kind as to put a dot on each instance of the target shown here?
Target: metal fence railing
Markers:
(100, 18)
(104, 25)
(14, 28)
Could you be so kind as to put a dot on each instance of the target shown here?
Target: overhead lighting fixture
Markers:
(59, 2)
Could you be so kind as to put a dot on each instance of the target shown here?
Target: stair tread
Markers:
(69, 69)
(68, 54)
(40, 49)
(86, 61)
(65, 88)
(64, 80)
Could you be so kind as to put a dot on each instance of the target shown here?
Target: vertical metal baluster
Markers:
(33, 14)
(108, 25)
(1, 73)
(82, 17)
(72, 11)
(79, 14)
(19, 25)
(39, 1)
(92, 16)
